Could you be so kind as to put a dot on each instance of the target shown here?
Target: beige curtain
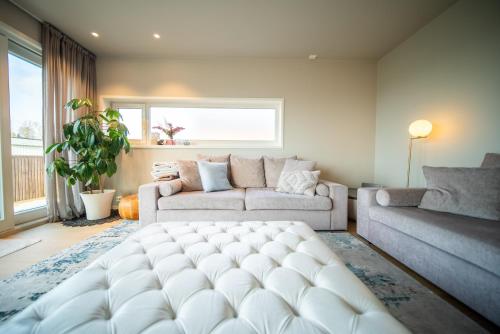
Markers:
(69, 72)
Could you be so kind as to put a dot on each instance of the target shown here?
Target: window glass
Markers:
(217, 124)
(132, 118)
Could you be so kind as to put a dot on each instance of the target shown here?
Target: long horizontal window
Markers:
(204, 122)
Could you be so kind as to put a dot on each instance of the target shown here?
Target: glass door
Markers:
(26, 119)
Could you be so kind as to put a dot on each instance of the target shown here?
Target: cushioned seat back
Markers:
(491, 160)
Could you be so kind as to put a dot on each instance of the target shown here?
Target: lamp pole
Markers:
(408, 170)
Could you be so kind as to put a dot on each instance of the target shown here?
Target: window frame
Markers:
(144, 116)
(236, 103)
(30, 50)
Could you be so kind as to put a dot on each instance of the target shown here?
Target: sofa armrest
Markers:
(400, 196)
(366, 199)
(338, 194)
(148, 202)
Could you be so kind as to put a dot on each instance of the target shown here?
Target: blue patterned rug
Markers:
(407, 300)
(417, 307)
(23, 288)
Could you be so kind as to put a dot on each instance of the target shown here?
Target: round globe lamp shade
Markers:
(420, 129)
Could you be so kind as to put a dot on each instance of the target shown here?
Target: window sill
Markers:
(205, 146)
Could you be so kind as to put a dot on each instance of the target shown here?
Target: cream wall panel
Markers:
(329, 107)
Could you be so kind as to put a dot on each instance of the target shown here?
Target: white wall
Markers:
(448, 73)
(329, 110)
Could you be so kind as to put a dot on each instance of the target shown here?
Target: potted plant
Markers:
(96, 139)
(170, 131)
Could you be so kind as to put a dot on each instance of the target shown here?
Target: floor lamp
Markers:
(418, 129)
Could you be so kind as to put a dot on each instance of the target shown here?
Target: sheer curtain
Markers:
(69, 72)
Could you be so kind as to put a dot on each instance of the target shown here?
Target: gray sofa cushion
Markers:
(273, 168)
(472, 192)
(247, 173)
(269, 199)
(491, 160)
(472, 239)
(198, 200)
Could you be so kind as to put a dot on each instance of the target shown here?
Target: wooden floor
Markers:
(56, 237)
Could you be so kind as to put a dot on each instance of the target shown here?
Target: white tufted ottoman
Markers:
(227, 277)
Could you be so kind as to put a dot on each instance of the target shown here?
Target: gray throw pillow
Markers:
(298, 165)
(473, 192)
(491, 160)
(273, 168)
(213, 176)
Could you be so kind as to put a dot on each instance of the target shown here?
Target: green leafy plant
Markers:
(96, 138)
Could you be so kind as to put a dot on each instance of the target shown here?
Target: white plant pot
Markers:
(98, 205)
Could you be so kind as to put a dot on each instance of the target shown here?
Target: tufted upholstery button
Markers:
(221, 277)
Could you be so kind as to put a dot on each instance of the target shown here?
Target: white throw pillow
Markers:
(300, 182)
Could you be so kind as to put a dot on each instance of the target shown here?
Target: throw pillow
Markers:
(297, 165)
(471, 192)
(217, 158)
(491, 160)
(273, 168)
(213, 176)
(189, 175)
(322, 190)
(170, 188)
(247, 173)
(298, 182)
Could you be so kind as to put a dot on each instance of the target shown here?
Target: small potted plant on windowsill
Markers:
(170, 131)
(96, 139)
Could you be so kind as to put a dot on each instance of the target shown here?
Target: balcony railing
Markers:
(29, 177)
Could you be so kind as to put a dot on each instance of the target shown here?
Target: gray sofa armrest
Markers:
(148, 203)
(338, 194)
(400, 196)
(366, 199)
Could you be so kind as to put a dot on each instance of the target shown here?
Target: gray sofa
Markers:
(320, 212)
(459, 254)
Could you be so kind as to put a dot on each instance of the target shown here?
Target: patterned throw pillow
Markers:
(298, 182)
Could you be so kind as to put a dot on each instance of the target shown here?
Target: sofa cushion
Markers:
(198, 200)
(472, 192)
(295, 165)
(472, 239)
(168, 188)
(217, 158)
(269, 199)
(491, 160)
(273, 168)
(189, 175)
(213, 176)
(299, 182)
(247, 173)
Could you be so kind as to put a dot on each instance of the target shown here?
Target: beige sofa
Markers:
(327, 212)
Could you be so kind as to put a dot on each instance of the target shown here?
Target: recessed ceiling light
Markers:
(313, 57)
(94, 34)
(157, 36)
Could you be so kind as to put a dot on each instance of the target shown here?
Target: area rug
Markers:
(417, 307)
(410, 302)
(83, 221)
(9, 246)
(26, 286)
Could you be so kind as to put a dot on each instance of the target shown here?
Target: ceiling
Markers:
(363, 29)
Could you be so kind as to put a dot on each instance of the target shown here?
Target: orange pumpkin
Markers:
(128, 208)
